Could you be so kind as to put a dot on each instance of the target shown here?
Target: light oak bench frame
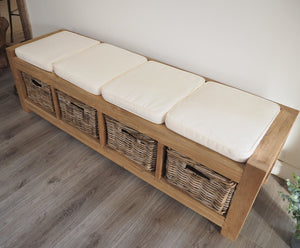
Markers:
(250, 175)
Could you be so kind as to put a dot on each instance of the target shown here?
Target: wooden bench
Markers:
(250, 175)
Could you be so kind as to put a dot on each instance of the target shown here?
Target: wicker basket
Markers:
(39, 93)
(203, 184)
(78, 114)
(134, 145)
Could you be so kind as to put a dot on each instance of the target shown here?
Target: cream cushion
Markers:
(44, 52)
(94, 67)
(151, 90)
(226, 120)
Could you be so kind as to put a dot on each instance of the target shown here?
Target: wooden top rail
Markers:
(268, 150)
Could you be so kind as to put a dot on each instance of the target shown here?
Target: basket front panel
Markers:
(78, 114)
(39, 93)
(210, 188)
(134, 145)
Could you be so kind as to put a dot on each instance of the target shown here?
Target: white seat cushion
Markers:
(226, 120)
(151, 90)
(44, 52)
(94, 67)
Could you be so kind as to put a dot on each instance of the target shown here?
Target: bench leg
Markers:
(244, 197)
(18, 80)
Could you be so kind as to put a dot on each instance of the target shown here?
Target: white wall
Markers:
(253, 44)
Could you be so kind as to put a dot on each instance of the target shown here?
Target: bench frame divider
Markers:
(159, 169)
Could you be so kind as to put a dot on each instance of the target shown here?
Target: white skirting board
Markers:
(285, 170)
(289, 159)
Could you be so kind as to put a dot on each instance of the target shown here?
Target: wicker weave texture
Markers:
(39, 93)
(78, 114)
(203, 184)
(134, 145)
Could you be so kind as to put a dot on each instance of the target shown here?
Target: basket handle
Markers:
(36, 83)
(74, 104)
(125, 131)
(191, 168)
(131, 135)
(80, 108)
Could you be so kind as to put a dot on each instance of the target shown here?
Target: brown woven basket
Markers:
(203, 184)
(39, 93)
(78, 114)
(134, 145)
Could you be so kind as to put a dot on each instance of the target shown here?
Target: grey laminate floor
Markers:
(56, 192)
